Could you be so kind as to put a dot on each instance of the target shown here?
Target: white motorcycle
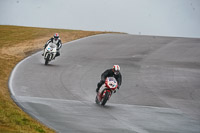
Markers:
(50, 53)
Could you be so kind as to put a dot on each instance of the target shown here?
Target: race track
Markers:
(160, 91)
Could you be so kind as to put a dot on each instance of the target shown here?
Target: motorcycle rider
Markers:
(56, 40)
(113, 72)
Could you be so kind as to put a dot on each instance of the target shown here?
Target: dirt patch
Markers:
(25, 48)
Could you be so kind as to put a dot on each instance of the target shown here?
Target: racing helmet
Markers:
(116, 69)
(56, 36)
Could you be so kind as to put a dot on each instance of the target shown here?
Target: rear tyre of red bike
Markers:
(96, 100)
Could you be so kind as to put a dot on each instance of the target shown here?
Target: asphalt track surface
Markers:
(160, 91)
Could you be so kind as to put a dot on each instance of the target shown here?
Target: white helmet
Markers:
(116, 69)
(56, 36)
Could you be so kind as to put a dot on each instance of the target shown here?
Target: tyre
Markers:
(96, 100)
(105, 98)
(47, 59)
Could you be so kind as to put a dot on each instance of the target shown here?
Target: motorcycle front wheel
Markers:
(105, 98)
(47, 59)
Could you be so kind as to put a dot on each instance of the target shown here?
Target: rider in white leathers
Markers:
(56, 40)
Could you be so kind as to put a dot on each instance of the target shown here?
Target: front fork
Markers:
(102, 94)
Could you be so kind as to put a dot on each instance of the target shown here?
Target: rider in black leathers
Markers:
(114, 72)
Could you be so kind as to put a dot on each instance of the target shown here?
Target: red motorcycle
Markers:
(106, 90)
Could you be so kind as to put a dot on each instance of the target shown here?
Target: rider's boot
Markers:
(57, 54)
(99, 85)
(97, 89)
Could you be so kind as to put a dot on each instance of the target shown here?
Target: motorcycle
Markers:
(50, 53)
(106, 91)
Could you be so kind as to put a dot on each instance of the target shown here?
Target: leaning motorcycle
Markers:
(106, 91)
(50, 53)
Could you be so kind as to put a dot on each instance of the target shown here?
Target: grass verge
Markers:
(16, 43)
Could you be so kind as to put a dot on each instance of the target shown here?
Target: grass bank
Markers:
(16, 43)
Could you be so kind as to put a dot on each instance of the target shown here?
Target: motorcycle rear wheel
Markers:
(96, 100)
